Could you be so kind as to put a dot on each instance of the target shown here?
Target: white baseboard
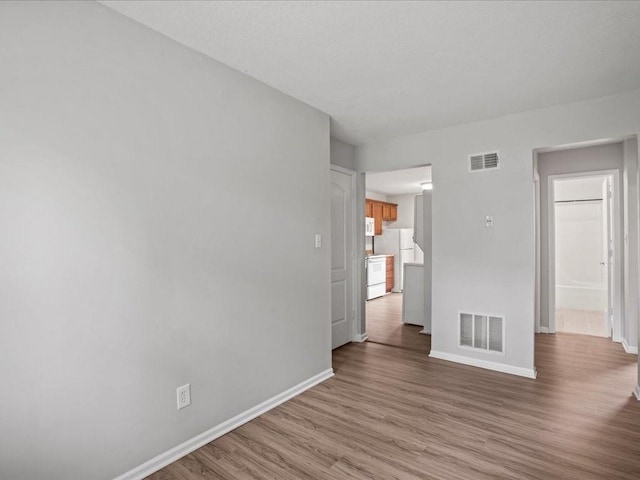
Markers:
(424, 331)
(636, 392)
(360, 337)
(628, 348)
(198, 441)
(474, 362)
(544, 329)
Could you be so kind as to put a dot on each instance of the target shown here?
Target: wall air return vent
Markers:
(484, 333)
(481, 162)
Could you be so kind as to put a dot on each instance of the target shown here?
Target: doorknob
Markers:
(603, 263)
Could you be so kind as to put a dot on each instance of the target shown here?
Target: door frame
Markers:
(355, 274)
(617, 303)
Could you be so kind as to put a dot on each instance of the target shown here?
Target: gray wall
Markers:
(137, 179)
(631, 224)
(493, 270)
(595, 158)
(406, 205)
(343, 154)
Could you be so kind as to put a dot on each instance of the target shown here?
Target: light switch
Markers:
(318, 240)
(488, 221)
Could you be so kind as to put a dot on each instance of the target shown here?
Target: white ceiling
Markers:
(398, 182)
(382, 69)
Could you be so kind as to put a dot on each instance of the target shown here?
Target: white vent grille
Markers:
(481, 332)
(480, 162)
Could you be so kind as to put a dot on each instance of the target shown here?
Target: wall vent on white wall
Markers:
(480, 332)
(480, 162)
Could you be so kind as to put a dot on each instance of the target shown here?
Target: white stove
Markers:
(376, 276)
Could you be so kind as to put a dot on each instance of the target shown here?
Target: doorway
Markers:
(584, 262)
(615, 160)
(397, 262)
(342, 256)
(577, 299)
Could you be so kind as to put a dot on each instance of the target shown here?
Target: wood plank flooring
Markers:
(393, 413)
(384, 325)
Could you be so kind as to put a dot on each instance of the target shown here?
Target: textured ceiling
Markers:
(398, 182)
(383, 69)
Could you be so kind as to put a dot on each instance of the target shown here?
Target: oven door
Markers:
(376, 271)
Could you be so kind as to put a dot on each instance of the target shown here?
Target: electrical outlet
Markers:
(488, 221)
(184, 396)
(318, 240)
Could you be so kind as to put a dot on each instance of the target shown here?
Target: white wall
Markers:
(376, 196)
(493, 270)
(580, 246)
(584, 188)
(136, 178)
(406, 205)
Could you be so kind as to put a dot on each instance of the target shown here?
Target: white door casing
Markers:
(611, 208)
(342, 294)
(607, 210)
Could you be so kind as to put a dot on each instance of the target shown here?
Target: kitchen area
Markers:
(397, 300)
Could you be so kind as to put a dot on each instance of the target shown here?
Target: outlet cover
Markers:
(184, 396)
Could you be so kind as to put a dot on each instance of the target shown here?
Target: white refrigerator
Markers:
(399, 243)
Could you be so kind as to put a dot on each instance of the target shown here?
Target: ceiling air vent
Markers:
(480, 162)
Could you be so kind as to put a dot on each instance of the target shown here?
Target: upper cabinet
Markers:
(389, 212)
(380, 211)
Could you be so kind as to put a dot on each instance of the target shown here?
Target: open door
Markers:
(341, 257)
(608, 263)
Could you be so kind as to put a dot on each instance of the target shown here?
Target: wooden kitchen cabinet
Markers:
(394, 212)
(380, 211)
(389, 212)
(390, 278)
(377, 218)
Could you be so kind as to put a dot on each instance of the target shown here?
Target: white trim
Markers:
(628, 348)
(360, 337)
(474, 362)
(179, 451)
(636, 392)
(424, 331)
(618, 268)
(544, 329)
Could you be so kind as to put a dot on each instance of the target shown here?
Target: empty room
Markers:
(201, 279)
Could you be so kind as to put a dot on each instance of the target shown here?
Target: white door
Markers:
(341, 258)
(608, 263)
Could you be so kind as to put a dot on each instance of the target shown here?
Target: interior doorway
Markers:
(397, 263)
(342, 255)
(584, 254)
(612, 164)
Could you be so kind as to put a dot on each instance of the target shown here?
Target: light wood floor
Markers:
(384, 325)
(394, 413)
(586, 322)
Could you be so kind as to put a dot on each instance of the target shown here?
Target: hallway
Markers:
(384, 325)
